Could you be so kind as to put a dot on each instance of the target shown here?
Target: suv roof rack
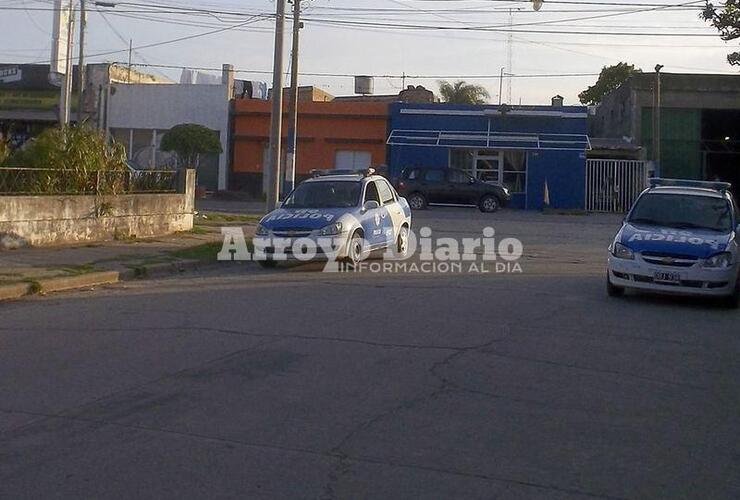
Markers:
(717, 186)
(365, 172)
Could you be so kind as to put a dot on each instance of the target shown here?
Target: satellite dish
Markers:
(537, 4)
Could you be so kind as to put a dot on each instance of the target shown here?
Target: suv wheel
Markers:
(417, 201)
(489, 203)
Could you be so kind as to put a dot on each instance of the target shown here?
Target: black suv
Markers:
(424, 186)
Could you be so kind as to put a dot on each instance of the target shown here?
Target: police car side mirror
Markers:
(370, 205)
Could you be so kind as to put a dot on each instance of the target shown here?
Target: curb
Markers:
(19, 290)
(8, 292)
(153, 270)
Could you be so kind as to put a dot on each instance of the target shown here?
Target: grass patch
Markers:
(78, 270)
(198, 230)
(35, 287)
(205, 252)
(223, 217)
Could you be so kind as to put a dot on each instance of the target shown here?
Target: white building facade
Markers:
(140, 114)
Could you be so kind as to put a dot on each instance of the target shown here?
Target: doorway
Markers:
(487, 167)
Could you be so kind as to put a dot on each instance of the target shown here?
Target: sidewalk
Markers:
(34, 270)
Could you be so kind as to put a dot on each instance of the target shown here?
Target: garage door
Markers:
(352, 160)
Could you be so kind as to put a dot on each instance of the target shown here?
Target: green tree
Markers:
(189, 141)
(726, 18)
(610, 79)
(461, 92)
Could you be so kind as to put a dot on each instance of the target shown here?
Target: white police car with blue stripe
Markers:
(342, 215)
(679, 237)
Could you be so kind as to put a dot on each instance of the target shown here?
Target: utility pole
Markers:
(81, 65)
(656, 119)
(500, 86)
(293, 107)
(64, 103)
(276, 125)
(130, 52)
(510, 56)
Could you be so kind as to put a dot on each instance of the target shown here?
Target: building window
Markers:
(515, 171)
(497, 167)
(352, 160)
(462, 159)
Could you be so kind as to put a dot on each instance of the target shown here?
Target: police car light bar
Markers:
(717, 186)
(365, 172)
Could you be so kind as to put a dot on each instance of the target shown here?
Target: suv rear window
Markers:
(412, 174)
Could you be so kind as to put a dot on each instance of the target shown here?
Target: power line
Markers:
(390, 76)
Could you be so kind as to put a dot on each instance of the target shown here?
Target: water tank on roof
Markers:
(364, 85)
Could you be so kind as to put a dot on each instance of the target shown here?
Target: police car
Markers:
(679, 237)
(345, 215)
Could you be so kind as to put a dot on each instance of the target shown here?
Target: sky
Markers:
(427, 40)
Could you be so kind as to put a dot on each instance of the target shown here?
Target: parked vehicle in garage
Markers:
(679, 237)
(449, 186)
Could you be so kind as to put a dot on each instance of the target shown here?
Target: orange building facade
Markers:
(330, 135)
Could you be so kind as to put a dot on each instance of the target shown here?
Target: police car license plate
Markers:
(666, 277)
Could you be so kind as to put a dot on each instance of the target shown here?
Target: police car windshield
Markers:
(683, 212)
(325, 194)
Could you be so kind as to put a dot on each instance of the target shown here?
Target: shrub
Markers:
(89, 163)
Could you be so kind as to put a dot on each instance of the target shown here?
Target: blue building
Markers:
(522, 147)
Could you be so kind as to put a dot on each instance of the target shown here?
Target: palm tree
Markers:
(463, 93)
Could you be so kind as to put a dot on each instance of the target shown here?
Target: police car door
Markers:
(391, 211)
(372, 220)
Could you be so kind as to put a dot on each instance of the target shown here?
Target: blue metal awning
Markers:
(489, 140)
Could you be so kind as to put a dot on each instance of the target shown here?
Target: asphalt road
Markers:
(240, 383)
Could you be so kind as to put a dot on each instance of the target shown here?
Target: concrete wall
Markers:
(162, 106)
(58, 220)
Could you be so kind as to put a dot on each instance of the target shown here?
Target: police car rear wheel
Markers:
(613, 290)
(402, 242)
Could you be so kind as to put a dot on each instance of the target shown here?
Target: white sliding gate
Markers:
(614, 185)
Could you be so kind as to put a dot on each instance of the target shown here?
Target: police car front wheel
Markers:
(611, 289)
(733, 301)
(356, 249)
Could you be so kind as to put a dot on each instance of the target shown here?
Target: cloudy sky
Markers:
(425, 39)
